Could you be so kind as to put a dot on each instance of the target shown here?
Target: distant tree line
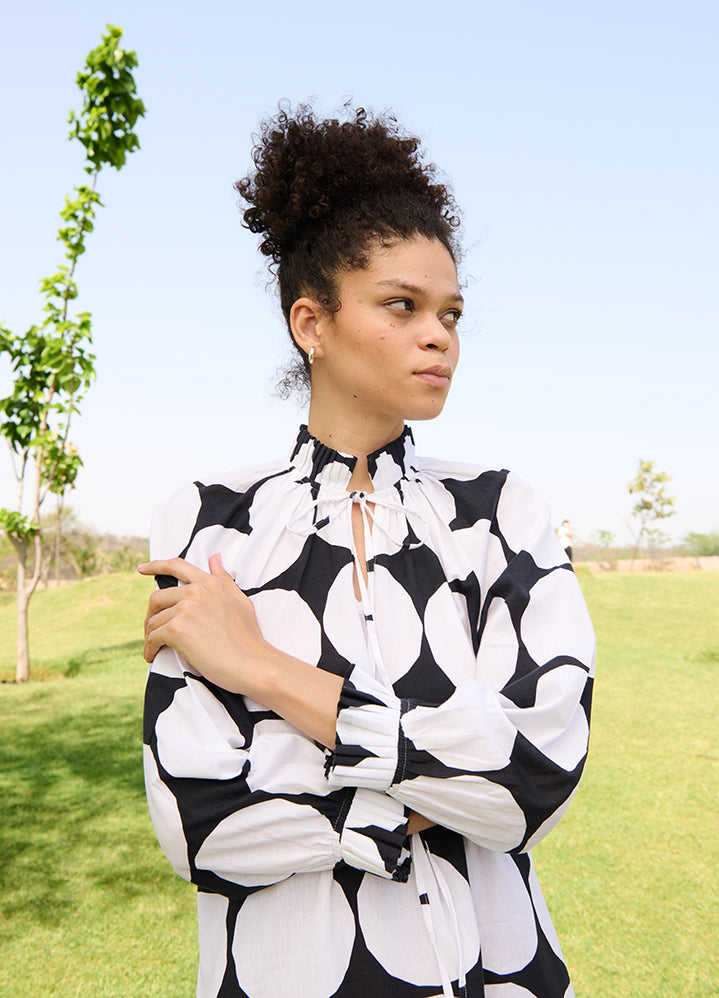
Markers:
(74, 552)
(603, 546)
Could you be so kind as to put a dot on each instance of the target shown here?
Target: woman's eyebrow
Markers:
(414, 289)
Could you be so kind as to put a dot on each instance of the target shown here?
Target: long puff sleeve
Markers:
(498, 760)
(237, 796)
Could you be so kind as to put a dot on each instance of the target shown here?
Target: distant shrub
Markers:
(702, 545)
(126, 558)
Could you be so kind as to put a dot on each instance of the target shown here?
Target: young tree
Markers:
(603, 539)
(652, 503)
(52, 363)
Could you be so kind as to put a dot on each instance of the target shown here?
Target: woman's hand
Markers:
(209, 621)
(212, 624)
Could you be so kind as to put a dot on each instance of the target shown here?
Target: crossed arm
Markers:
(212, 624)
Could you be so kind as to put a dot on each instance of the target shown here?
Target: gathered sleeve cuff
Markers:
(373, 836)
(367, 738)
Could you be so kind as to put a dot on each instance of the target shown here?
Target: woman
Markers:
(369, 693)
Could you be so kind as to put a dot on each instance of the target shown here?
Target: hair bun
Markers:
(306, 169)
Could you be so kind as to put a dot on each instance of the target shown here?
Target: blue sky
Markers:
(581, 140)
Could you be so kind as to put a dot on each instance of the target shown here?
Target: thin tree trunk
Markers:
(25, 589)
(22, 671)
(58, 537)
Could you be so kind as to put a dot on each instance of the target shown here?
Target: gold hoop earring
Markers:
(311, 356)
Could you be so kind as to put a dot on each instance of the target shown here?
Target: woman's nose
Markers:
(435, 335)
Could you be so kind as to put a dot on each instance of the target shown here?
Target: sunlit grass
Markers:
(630, 873)
(88, 904)
(89, 907)
(72, 622)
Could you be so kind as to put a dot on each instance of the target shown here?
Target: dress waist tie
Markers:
(436, 901)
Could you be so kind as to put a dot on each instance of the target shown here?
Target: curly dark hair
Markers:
(324, 191)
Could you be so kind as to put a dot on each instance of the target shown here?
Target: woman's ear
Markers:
(306, 317)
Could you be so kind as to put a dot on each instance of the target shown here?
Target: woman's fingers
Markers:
(207, 620)
(160, 611)
(219, 572)
(183, 571)
(217, 568)
(161, 598)
(168, 604)
(161, 628)
(178, 568)
(171, 614)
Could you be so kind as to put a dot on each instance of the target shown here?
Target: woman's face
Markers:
(390, 352)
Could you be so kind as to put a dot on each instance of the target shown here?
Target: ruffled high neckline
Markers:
(323, 465)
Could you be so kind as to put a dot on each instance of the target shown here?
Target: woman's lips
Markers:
(438, 377)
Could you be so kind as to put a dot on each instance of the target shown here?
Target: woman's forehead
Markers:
(417, 265)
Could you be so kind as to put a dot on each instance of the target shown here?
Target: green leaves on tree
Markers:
(110, 106)
(652, 502)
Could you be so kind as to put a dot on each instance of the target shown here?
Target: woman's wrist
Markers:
(302, 694)
(418, 823)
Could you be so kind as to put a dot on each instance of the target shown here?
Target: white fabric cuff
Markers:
(374, 836)
(368, 717)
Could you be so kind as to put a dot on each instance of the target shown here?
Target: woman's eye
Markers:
(403, 304)
(454, 315)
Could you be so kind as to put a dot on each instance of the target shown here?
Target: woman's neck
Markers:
(357, 440)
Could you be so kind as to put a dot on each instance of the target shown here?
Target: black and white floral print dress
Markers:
(467, 666)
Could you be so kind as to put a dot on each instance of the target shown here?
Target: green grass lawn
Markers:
(630, 873)
(89, 908)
